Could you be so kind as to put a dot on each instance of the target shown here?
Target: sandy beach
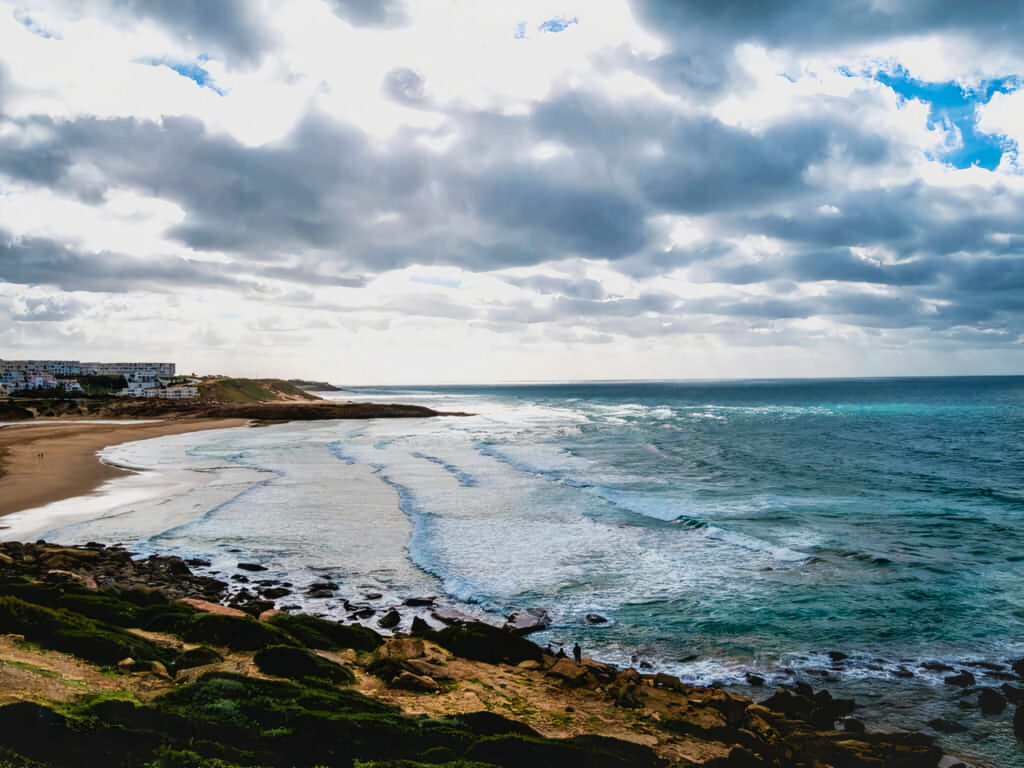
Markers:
(47, 461)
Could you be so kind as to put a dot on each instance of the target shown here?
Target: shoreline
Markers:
(447, 668)
(46, 461)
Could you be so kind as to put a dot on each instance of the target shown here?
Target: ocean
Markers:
(721, 529)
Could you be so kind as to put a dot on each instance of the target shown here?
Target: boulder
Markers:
(663, 680)
(401, 649)
(946, 726)
(936, 666)
(296, 663)
(324, 634)
(964, 679)
(482, 642)
(390, 620)
(568, 670)
(273, 593)
(838, 656)
(1018, 723)
(238, 634)
(529, 664)
(902, 672)
(1018, 667)
(197, 657)
(1013, 693)
(527, 622)
(991, 701)
(594, 618)
(251, 567)
(419, 626)
(413, 682)
(414, 602)
(427, 669)
(755, 680)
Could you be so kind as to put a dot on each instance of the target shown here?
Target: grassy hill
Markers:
(251, 391)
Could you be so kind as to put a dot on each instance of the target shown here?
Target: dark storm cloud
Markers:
(370, 13)
(326, 206)
(703, 35)
(229, 29)
(41, 261)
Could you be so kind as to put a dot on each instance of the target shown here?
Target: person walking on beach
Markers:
(577, 653)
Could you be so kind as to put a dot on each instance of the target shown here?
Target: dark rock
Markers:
(946, 726)
(296, 663)
(595, 618)
(419, 626)
(324, 634)
(991, 701)
(964, 679)
(235, 633)
(197, 657)
(240, 577)
(414, 602)
(853, 725)
(1013, 693)
(1018, 667)
(273, 593)
(936, 666)
(390, 620)
(755, 680)
(363, 613)
(320, 593)
(902, 672)
(646, 665)
(373, 595)
(482, 642)
(837, 656)
(485, 723)
(528, 622)
(321, 585)
(251, 567)
(197, 562)
(412, 682)
(1018, 723)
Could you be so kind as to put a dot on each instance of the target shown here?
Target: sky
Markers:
(446, 191)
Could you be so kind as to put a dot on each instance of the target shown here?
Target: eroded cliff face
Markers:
(106, 660)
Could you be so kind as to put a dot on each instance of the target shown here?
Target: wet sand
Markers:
(46, 461)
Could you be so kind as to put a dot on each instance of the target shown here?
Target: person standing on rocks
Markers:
(577, 653)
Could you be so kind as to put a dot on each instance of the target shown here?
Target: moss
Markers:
(197, 657)
(43, 672)
(326, 635)
(62, 630)
(236, 633)
(296, 663)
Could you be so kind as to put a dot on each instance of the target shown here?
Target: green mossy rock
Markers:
(62, 630)
(296, 663)
(236, 633)
(197, 657)
(326, 635)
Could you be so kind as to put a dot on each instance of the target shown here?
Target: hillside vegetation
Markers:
(251, 391)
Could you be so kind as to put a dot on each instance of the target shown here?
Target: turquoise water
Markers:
(722, 528)
(772, 521)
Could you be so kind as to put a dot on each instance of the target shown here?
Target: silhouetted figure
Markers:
(577, 653)
(561, 654)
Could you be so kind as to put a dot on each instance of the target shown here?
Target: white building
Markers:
(130, 369)
(177, 393)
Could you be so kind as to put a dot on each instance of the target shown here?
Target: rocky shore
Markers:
(111, 660)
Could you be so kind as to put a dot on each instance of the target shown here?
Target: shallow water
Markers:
(720, 527)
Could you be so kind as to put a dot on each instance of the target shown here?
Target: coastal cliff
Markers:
(114, 661)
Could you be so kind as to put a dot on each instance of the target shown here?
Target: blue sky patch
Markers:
(952, 105)
(559, 24)
(192, 70)
(34, 26)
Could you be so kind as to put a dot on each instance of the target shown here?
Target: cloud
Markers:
(761, 176)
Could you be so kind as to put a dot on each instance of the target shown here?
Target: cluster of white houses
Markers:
(142, 379)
